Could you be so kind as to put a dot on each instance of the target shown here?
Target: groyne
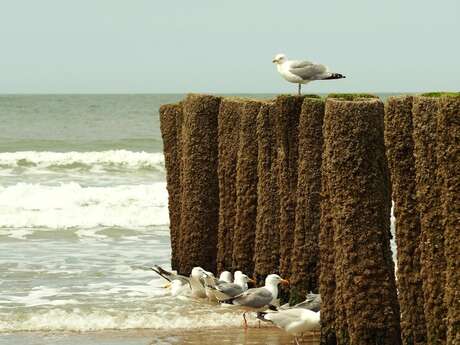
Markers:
(302, 186)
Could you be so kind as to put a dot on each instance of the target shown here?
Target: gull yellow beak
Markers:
(167, 286)
(284, 282)
(252, 281)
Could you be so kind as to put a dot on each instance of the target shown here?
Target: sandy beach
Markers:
(234, 336)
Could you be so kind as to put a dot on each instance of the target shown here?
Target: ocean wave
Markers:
(69, 205)
(112, 160)
(79, 319)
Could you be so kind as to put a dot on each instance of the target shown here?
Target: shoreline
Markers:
(233, 335)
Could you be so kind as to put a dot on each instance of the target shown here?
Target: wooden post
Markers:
(246, 190)
(266, 247)
(171, 126)
(400, 153)
(425, 110)
(200, 186)
(366, 305)
(229, 121)
(305, 259)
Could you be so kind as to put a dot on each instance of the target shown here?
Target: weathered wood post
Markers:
(305, 259)
(246, 189)
(171, 126)
(433, 262)
(229, 121)
(200, 186)
(286, 111)
(366, 305)
(266, 247)
(400, 153)
(448, 158)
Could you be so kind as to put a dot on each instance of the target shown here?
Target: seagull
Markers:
(178, 288)
(259, 299)
(194, 281)
(312, 302)
(223, 291)
(293, 321)
(302, 72)
(226, 276)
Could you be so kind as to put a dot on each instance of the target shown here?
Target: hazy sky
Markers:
(148, 46)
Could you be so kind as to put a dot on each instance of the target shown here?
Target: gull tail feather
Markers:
(335, 76)
(161, 272)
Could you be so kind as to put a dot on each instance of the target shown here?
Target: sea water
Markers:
(83, 214)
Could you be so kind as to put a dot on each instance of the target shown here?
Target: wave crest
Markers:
(105, 160)
(69, 205)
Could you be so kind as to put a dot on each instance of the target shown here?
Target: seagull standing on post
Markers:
(302, 72)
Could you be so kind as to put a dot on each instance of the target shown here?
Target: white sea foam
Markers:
(102, 160)
(79, 319)
(70, 205)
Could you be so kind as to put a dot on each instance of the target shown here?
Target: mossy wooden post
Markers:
(266, 247)
(229, 119)
(433, 262)
(200, 185)
(246, 190)
(327, 285)
(305, 259)
(448, 157)
(400, 153)
(170, 125)
(366, 305)
(285, 112)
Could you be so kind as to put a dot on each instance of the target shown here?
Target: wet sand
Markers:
(237, 336)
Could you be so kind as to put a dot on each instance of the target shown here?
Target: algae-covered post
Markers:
(366, 305)
(400, 153)
(229, 119)
(305, 256)
(200, 186)
(266, 246)
(170, 124)
(246, 190)
(327, 284)
(285, 111)
(448, 157)
(433, 262)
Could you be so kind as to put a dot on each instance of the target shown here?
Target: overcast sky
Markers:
(175, 46)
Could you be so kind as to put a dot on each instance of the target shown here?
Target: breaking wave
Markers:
(70, 205)
(112, 160)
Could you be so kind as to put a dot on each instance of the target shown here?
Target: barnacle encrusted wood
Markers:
(400, 153)
(170, 125)
(229, 120)
(448, 158)
(433, 262)
(200, 186)
(366, 305)
(305, 259)
(266, 247)
(286, 111)
(246, 189)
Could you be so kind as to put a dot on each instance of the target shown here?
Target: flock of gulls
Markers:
(233, 290)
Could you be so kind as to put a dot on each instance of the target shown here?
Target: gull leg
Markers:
(245, 321)
(296, 341)
(300, 86)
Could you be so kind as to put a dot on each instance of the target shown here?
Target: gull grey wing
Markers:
(229, 289)
(313, 303)
(307, 70)
(254, 298)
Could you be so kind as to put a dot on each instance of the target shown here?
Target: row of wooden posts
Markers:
(300, 185)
